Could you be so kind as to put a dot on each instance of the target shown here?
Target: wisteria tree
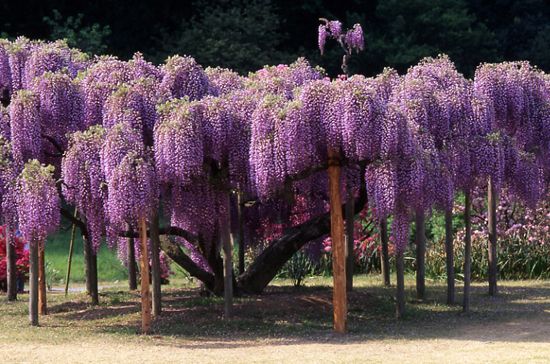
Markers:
(38, 211)
(192, 160)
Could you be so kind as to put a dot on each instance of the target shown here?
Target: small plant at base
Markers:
(297, 268)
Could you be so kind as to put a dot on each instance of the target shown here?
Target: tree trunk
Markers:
(173, 250)
(385, 256)
(225, 237)
(11, 267)
(240, 232)
(264, 268)
(145, 291)
(70, 258)
(420, 238)
(450, 256)
(467, 251)
(338, 245)
(400, 296)
(492, 227)
(155, 264)
(90, 266)
(33, 283)
(42, 302)
(350, 201)
(132, 269)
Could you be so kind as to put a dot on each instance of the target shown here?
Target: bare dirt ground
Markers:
(287, 326)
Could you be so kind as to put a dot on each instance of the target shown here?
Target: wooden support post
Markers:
(420, 255)
(492, 227)
(33, 283)
(449, 252)
(225, 237)
(11, 268)
(155, 264)
(70, 259)
(338, 244)
(132, 269)
(90, 266)
(385, 256)
(400, 296)
(145, 290)
(467, 251)
(241, 231)
(42, 302)
(350, 214)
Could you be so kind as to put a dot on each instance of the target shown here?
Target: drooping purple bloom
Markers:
(322, 39)
(26, 130)
(84, 181)
(183, 76)
(179, 148)
(37, 202)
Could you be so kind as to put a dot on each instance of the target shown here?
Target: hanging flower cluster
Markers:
(37, 201)
(352, 39)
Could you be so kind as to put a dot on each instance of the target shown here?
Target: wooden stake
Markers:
(90, 260)
(11, 269)
(492, 227)
(400, 297)
(33, 283)
(241, 231)
(449, 252)
(338, 244)
(132, 268)
(70, 259)
(350, 215)
(385, 257)
(225, 236)
(42, 303)
(155, 264)
(420, 255)
(467, 251)
(145, 290)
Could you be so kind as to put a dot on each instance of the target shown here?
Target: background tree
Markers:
(89, 38)
(241, 35)
(399, 33)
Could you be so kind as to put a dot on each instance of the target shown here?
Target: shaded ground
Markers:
(287, 325)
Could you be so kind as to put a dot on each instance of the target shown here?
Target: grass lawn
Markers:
(285, 325)
(57, 251)
(110, 269)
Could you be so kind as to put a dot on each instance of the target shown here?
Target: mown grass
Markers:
(57, 251)
(283, 311)
(110, 268)
(517, 319)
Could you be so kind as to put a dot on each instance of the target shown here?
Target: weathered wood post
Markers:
(338, 244)
(145, 289)
(385, 256)
(155, 264)
(467, 251)
(42, 303)
(400, 274)
(420, 255)
(90, 267)
(225, 237)
(33, 283)
(449, 252)
(11, 268)
(350, 241)
(70, 258)
(492, 227)
(131, 256)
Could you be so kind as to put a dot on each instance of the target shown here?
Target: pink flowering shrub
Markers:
(22, 262)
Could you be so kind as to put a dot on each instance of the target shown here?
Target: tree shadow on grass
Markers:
(287, 315)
